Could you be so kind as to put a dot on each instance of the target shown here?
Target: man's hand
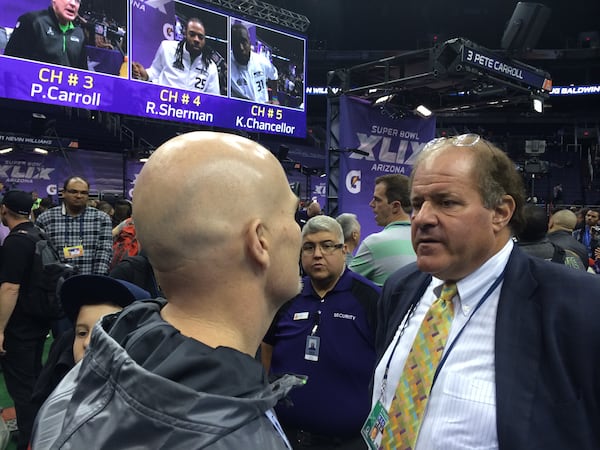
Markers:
(2, 351)
(138, 71)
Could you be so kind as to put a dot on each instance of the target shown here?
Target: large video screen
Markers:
(161, 59)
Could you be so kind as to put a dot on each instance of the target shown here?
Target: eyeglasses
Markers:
(326, 247)
(75, 192)
(463, 140)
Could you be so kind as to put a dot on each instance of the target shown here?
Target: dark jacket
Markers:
(565, 239)
(147, 386)
(547, 390)
(38, 36)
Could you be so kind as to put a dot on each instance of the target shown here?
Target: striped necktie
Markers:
(408, 406)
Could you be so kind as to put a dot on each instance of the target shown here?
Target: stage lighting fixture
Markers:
(423, 111)
(6, 150)
(144, 155)
(538, 105)
(384, 99)
(40, 151)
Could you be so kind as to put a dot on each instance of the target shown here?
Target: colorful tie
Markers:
(408, 406)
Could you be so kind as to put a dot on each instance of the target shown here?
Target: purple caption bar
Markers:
(45, 83)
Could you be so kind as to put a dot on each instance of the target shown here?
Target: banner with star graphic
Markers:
(46, 175)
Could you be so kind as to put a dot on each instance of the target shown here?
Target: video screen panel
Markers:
(167, 59)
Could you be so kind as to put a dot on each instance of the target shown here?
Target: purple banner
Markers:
(30, 81)
(12, 10)
(392, 145)
(46, 174)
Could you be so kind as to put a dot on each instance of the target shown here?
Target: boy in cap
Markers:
(85, 299)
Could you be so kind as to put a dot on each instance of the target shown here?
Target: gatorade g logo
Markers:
(353, 181)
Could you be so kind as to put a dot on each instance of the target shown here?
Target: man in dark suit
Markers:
(517, 370)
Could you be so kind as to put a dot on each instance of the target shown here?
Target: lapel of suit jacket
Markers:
(518, 347)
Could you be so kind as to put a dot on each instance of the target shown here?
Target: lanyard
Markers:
(68, 225)
(411, 312)
(316, 323)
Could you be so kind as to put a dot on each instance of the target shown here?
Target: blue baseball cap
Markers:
(80, 290)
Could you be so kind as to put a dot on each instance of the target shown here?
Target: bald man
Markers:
(181, 374)
(560, 232)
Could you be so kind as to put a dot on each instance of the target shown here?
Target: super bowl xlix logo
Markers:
(353, 178)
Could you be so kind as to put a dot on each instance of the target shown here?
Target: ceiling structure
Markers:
(374, 38)
(389, 35)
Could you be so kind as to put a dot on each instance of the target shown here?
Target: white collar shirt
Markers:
(461, 410)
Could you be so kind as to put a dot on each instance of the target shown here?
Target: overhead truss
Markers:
(266, 12)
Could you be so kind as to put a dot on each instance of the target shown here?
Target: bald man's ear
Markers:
(257, 243)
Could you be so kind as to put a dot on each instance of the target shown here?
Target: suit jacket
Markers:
(547, 351)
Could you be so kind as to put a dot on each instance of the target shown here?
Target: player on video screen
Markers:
(249, 71)
(185, 64)
(50, 36)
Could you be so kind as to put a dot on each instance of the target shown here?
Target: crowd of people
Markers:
(468, 321)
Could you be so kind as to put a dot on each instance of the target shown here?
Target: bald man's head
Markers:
(199, 194)
(562, 220)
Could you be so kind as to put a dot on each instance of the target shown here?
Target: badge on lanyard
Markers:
(74, 251)
(311, 352)
(372, 430)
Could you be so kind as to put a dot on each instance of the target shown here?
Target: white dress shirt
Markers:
(461, 410)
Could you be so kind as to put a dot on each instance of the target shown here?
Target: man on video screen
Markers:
(185, 65)
(50, 36)
(249, 71)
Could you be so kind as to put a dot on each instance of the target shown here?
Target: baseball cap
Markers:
(80, 290)
(19, 202)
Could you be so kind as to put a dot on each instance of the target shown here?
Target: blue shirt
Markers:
(336, 398)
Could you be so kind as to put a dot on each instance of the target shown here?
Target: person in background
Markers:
(503, 359)
(186, 64)
(382, 253)
(123, 211)
(580, 214)
(312, 209)
(82, 234)
(560, 231)
(249, 72)
(327, 333)
(85, 299)
(104, 206)
(45, 205)
(532, 236)
(50, 36)
(585, 235)
(22, 335)
(196, 348)
(138, 270)
(533, 239)
(351, 227)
